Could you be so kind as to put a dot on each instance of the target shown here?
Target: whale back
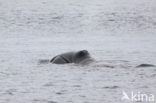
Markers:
(80, 57)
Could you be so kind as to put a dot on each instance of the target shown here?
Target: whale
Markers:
(145, 65)
(79, 57)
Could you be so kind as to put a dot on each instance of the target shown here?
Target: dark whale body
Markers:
(145, 65)
(80, 57)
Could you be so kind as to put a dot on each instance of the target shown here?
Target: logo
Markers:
(138, 96)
